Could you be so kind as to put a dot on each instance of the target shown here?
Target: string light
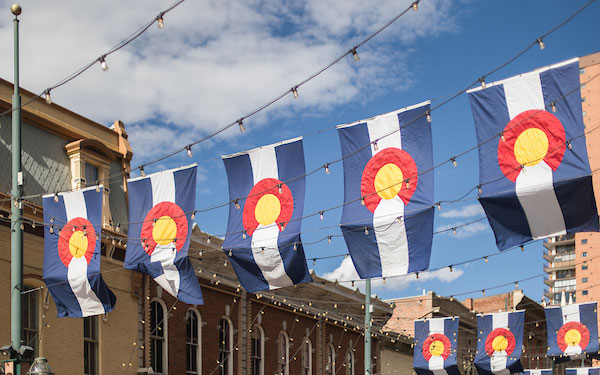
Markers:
(56, 197)
(553, 106)
(454, 163)
(48, 97)
(450, 267)
(366, 231)
(142, 172)
(485, 259)
(522, 248)
(439, 206)
(516, 285)
(326, 166)
(244, 234)
(569, 145)
(428, 116)
(417, 274)
(321, 215)
(294, 91)
(237, 204)
(161, 21)
(415, 6)
(241, 125)
(355, 54)
(103, 63)
(189, 150)
(479, 190)
(454, 231)
(541, 43)
(208, 240)
(329, 239)
(482, 81)
(502, 137)
(483, 292)
(295, 246)
(375, 147)
(193, 217)
(314, 261)
(279, 188)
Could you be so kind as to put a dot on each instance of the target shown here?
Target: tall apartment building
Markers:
(573, 264)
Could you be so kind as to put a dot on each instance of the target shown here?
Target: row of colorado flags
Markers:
(572, 334)
(535, 182)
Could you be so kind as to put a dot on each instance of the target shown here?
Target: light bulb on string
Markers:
(375, 147)
(454, 231)
(237, 204)
(553, 106)
(502, 137)
(454, 163)
(56, 197)
(569, 145)
(329, 239)
(294, 91)
(189, 150)
(279, 188)
(48, 97)
(142, 172)
(540, 42)
(193, 216)
(321, 215)
(161, 21)
(241, 125)
(415, 6)
(428, 116)
(103, 63)
(482, 81)
(479, 190)
(366, 231)
(355, 54)
(485, 259)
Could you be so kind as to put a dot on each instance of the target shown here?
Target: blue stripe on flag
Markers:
(583, 371)
(485, 326)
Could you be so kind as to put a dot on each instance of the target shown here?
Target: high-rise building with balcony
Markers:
(573, 261)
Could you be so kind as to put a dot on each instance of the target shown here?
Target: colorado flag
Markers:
(583, 371)
(266, 188)
(534, 173)
(572, 329)
(499, 343)
(387, 220)
(72, 253)
(435, 346)
(537, 372)
(160, 209)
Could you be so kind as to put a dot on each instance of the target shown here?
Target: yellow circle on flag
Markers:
(267, 209)
(500, 343)
(388, 181)
(164, 231)
(436, 348)
(573, 337)
(531, 146)
(78, 244)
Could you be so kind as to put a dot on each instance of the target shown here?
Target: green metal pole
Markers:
(368, 327)
(16, 239)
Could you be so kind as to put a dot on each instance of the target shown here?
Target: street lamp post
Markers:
(16, 240)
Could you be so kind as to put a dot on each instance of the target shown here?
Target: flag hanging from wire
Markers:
(583, 371)
(72, 253)
(387, 220)
(266, 189)
(499, 343)
(534, 171)
(435, 346)
(160, 228)
(537, 372)
(572, 330)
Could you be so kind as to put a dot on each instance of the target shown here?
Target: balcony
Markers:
(560, 240)
(548, 281)
(557, 266)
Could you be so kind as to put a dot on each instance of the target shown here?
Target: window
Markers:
(584, 254)
(584, 241)
(258, 350)
(158, 337)
(349, 362)
(584, 279)
(283, 360)
(90, 345)
(193, 344)
(330, 369)
(564, 274)
(225, 347)
(581, 70)
(306, 356)
(91, 174)
(584, 266)
(29, 316)
(584, 292)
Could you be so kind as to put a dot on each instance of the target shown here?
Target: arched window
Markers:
(349, 362)
(306, 356)
(283, 360)
(193, 324)
(158, 337)
(330, 369)
(30, 308)
(258, 351)
(225, 347)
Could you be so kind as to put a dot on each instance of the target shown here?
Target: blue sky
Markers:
(215, 61)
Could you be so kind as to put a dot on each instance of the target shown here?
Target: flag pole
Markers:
(368, 326)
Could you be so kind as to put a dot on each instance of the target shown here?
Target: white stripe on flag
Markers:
(265, 249)
(163, 190)
(264, 163)
(385, 130)
(582, 371)
(436, 363)
(570, 313)
(77, 276)
(534, 185)
(498, 359)
(391, 237)
(163, 187)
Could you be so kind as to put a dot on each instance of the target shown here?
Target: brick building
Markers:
(312, 328)
(572, 264)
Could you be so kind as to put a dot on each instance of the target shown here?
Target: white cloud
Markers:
(467, 231)
(471, 210)
(346, 271)
(215, 60)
